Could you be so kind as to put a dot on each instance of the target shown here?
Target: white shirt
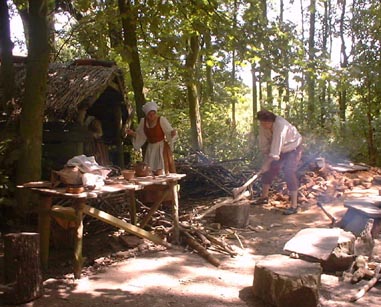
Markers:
(283, 137)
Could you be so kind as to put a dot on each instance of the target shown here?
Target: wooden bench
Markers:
(359, 211)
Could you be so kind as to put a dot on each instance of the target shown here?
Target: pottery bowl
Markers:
(128, 174)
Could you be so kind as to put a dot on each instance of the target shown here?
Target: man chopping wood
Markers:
(281, 144)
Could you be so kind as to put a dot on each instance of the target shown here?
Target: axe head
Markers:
(236, 192)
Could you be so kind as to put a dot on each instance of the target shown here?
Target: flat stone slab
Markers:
(348, 167)
(283, 281)
(357, 216)
(314, 242)
(367, 209)
(374, 200)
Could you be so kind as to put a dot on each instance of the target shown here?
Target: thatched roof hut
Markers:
(75, 86)
(77, 93)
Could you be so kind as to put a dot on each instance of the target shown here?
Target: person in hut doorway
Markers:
(281, 144)
(160, 136)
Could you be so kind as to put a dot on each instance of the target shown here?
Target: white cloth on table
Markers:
(93, 173)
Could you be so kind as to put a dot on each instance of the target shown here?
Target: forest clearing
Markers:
(121, 268)
(140, 143)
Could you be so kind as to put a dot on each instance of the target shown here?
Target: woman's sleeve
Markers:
(140, 138)
(167, 129)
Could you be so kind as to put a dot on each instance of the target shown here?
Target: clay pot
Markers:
(158, 172)
(128, 174)
(142, 169)
(75, 189)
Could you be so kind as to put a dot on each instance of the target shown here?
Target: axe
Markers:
(330, 216)
(237, 191)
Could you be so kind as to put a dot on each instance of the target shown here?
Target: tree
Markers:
(342, 86)
(129, 15)
(32, 114)
(310, 78)
(191, 84)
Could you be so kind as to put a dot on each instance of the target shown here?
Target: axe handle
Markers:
(333, 220)
(239, 190)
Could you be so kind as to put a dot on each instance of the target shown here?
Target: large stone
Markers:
(332, 247)
(359, 211)
(283, 281)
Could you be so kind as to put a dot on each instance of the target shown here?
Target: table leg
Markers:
(78, 239)
(44, 228)
(175, 211)
(154, 207)
(132, 196)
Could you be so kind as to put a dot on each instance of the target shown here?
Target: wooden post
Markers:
(22, 269)
(44, 228)
(175, 211)
(154, 207)
(78, 238)
(132, 196)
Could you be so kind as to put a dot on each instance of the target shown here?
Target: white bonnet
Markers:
(149, 106)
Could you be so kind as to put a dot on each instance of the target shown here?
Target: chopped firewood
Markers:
(222, 244)
(368, 286)
(203, 252)
(203, 239)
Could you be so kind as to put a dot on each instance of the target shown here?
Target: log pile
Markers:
(206, 241)
(324, 184)
(320, 181)
(363, 268)
(205, 177)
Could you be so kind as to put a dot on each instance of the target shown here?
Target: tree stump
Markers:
(283, 282)
(235, 215)
(22, 268)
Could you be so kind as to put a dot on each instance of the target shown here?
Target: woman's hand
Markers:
(173, 133)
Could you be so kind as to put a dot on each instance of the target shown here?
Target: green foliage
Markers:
(241, 31)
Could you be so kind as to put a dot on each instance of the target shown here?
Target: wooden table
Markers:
(167, 183)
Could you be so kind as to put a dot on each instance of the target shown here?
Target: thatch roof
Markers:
(74, 86)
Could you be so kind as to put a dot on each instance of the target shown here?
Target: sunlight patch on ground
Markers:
(174, 273)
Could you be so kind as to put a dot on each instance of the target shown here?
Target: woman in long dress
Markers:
(159, 135)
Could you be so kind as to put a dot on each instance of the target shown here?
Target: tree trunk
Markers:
(311, 58)
(7, 84)
(32, 114)
(344, 65)
(191, 83)
(22, 270)
(208, 70)
(265, 63)
(128, 15)
(324, 91)
(255, 97)
(372, 150)
(234, 121)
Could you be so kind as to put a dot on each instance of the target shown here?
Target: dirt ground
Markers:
(148, 275)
